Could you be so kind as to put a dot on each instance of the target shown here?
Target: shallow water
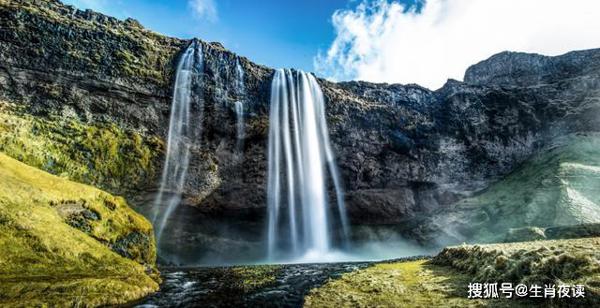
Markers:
(224, 287)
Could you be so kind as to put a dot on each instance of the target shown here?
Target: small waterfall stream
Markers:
(239, 126)
(239, 106)
(183, 131)
(299, 157)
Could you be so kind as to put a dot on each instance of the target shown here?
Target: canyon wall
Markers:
(87, 97)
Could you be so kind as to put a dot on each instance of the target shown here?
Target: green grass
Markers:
(250, 278)
(443, 281)
(100, 155)
(572, 261)
(45, 260)
(399, 284)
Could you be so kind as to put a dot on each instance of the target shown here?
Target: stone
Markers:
(410, 158)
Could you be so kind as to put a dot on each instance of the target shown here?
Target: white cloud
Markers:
(204, 9)
(383, 41)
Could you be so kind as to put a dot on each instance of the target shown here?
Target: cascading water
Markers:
(239, 125)
(183, 131)
(239, 79)
(239, 106)
(299, 157)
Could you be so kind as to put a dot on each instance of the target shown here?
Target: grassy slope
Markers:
(44, 260)
(443, 281)
(557, 187)
(401, 284)
(572, 261)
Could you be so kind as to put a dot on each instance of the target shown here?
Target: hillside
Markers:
(65, 243)
(443, 281)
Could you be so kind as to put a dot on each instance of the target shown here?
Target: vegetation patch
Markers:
(573, 262)
(443, 281)
(398, 284)
(99, 155)
(251, 278)
(48, 259)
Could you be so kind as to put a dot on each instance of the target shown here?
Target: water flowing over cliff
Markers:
(299, 149)
(184, 126)
(240, 90)
(90, 98)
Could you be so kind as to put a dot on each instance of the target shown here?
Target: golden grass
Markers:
(43, 260)
(443, 281)
(398, 284)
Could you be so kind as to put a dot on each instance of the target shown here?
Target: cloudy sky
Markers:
(408, 41)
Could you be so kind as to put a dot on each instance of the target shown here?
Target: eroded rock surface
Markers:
(408, 155)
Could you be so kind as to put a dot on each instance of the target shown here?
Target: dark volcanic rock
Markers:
(405, 152)
(524, 69)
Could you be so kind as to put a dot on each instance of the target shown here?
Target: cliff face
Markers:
(88, 97)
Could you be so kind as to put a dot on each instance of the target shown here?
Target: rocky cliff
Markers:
(87, 96)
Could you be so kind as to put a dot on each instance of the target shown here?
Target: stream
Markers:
(243, 286)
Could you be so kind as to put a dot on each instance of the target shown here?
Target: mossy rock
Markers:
(399, 284)
(101, 155)
(443, 281)
(85, 40)
(575, 231)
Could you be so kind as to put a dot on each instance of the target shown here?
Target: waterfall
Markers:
(240, 91)
(183, 131)
(300, 157)
(239, 79)
(239, 126)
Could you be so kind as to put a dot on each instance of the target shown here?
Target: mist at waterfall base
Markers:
(300, 158)
(305, 221)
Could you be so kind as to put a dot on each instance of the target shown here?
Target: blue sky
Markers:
(391, 41)
(277, 33)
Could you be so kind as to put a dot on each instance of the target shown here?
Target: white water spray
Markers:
(240, 91)
(182, 132)
(299, 157)
(239, 125)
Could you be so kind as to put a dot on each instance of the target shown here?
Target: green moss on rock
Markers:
(443, 281)
(100, 155)
(573, 261)
(251, 278)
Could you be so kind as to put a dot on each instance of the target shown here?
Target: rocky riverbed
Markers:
(244, 286)
(441, 281)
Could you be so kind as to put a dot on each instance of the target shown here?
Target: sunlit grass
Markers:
(45, 260)
(443, 281)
